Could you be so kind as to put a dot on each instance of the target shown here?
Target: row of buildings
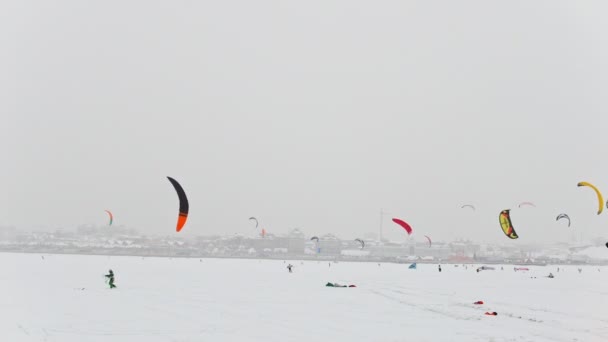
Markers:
(294, 245)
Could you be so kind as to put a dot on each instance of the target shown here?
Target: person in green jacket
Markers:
(110, 276)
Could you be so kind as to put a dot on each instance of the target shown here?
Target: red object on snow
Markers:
(493, 313)
(352, 286)
(479, 302)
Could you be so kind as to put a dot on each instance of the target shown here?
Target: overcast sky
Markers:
(310, 114)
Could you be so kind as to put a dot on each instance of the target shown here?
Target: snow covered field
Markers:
(64, 298)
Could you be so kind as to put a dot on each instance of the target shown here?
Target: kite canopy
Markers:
(506, 225)
(256, 221)
(526, 203)
(111, 217)
(468, 206)
(403, 225)
(183, 204)
(563, 216)
(361, 242)
(314, 238)
(600, 199)
(430, 242)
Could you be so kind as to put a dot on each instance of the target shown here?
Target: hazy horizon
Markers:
(312, 115)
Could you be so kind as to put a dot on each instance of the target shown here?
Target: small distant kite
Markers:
(361, 242)
(506, 225)
(403, 225)
(526, 203)
(254, 219)
(563, 216)
(314, 238)
(430, 242)
(111, 217)
(183, 204)
(468, 206)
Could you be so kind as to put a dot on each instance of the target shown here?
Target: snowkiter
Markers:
(110, 276)
(439, 268)
(289, 267)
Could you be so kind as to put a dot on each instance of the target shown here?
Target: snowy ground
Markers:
(64, 298)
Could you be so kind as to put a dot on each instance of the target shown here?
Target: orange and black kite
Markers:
(183, 204)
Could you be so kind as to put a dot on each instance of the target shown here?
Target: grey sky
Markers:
(311, 114)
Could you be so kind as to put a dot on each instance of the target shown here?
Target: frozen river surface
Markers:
(64, 298)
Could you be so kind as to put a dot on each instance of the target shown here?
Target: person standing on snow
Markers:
(289, 267)
(439, 268)
(110, 276)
